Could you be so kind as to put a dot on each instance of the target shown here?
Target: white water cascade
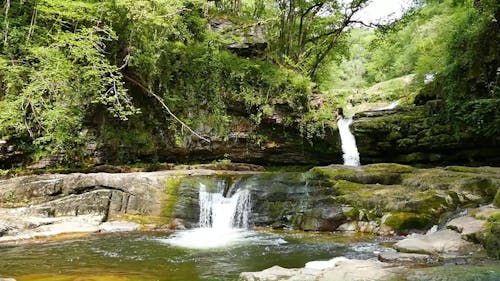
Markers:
(223, 221)
(391, 106)
(220, 213)
(349, 148)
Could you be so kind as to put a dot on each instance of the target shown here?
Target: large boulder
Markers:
(440, 242)
(467, 226)
(337, 269)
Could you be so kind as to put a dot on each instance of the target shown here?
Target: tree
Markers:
(309, 31)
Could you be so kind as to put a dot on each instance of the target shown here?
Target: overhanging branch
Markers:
(160, 100)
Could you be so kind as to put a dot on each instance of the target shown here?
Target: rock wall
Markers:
(378, 198)
(375, 198)
(414, 136)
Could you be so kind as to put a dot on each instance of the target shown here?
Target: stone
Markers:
(467, 225)
(348, 227)
(487, 211)
(440, 242)
(355, 270)
(119, 226)
(7, 279)
(276, 273)
(406, 258)
(51, 227)
(360, 226)
(337, 269)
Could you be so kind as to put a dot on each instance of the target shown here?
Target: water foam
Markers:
(223, 221)
(349, 148)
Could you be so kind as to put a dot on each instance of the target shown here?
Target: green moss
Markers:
(352, 214)
(346, 187)
(389, 168)
(430, 202)
(496, 201)
(334, 173)
(170, 197)
(403, 222)
(492, 241)
(485, 187)
(475, 170)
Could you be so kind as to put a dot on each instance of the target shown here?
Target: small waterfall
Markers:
(391, 106)
(349, 148)
(223, 220)
(218, 212)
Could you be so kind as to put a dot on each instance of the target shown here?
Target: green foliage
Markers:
(51, 82)
(64, 62)
(492, 241)
(496, 201)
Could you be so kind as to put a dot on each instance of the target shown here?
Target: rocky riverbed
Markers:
(444, 214)
(450, 245)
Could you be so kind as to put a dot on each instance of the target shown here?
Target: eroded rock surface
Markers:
(40, 206)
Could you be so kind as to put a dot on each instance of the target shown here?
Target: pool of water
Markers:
(153, 257)
(160, 256)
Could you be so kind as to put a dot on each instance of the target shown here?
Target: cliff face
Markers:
(414, 136)
(408, 136)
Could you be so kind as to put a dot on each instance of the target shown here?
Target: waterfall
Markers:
(218, 212)
(223, 219)
(349, 148)
(391, 106)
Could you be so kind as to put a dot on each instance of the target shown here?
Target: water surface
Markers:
(152, 257)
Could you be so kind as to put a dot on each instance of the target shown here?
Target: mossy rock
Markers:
(371, 174)
(170, 197)
(428, 202)
(496, 201)
(345, 187)
(492, 241)
(332, 172)
(403, 222)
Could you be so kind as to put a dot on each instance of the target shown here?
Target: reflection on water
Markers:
(136, 257)
(151, 257)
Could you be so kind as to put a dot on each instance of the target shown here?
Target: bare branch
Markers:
(160, 100)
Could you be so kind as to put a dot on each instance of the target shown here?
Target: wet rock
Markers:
(440, 242)
(406, 258)
(276, 273)
(119, 226)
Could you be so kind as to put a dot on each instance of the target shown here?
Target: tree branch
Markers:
(160, 100)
